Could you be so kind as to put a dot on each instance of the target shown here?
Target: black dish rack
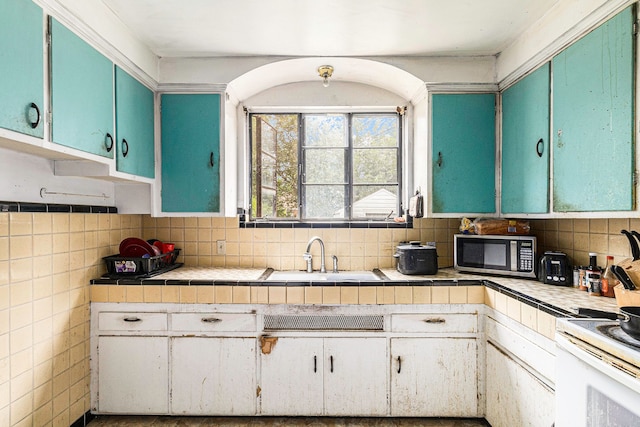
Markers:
(132, 267)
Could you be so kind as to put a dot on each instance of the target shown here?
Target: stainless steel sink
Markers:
(342, 276)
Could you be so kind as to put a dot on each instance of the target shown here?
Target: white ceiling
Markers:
(188, 28)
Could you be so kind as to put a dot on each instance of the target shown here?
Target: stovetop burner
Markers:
(615, 331)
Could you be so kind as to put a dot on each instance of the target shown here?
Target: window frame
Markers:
(349, 155)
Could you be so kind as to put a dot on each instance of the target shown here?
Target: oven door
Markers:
(592, 388)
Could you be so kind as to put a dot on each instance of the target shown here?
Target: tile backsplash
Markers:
(578, 237)
(282, 248)
(47, 260)
(364, 249)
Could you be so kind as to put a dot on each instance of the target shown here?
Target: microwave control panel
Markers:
(525, 256)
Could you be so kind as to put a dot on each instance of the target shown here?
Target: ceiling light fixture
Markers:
(325, 71)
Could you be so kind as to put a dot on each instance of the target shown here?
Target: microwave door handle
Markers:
(514, 255)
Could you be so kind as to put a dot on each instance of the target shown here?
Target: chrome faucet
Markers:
(307, 255)
(335, 263)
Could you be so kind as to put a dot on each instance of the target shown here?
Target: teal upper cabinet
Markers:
(593, 93)
(21, 67)
(81, 94)
(134, 126)
(525, 144)
(463, 153)
(190, 152)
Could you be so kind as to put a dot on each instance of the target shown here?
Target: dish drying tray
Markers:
(135, 268)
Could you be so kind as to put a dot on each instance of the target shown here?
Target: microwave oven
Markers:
(495, 254)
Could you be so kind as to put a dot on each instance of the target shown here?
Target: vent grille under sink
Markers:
(323, 323)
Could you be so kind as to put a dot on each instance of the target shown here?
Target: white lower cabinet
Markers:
(213, 376)
(216, 360)
(515, 397)
(434, 377)
(292, 376)
(356, 376)
(324, 376)
(133, 375)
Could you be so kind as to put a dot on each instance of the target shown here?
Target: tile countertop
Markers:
(556, 300)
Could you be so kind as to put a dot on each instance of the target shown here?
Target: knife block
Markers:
(633, 270)
(625, 298)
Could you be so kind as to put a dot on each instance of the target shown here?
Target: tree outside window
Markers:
(325, 166)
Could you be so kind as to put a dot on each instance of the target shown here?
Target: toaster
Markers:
(554, 268)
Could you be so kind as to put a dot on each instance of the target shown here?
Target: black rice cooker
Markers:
(414, 258)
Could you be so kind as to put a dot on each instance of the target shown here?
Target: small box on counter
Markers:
(514, 227)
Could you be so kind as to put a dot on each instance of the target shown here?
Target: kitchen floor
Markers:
(153, 421)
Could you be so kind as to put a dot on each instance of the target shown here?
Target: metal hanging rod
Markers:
(44, 192)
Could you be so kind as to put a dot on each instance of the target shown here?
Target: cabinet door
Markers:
(355, 376)
(134, 126)
(291, 377)
(525, 144)
(463, 153)
(190, 152)
(514, 396)
(81, 94)
(133, 375)
(593, 94)
(434, 377)
(213, 376)
(22, 82)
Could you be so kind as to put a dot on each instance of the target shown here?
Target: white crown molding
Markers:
(84, 31)
(597, 17)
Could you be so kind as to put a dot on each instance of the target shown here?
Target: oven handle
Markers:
(600, 314)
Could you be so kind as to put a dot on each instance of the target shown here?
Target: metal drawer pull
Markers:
(399, 364)
(331, 360)
(132, 319)
(315, 364)
(211, 320)
(435, 320)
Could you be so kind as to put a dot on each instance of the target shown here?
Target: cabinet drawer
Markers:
(203, 322)
(465, 323)
(119, 321)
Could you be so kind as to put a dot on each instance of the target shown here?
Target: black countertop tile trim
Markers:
(261, 282)
(519, 296)
(99, 209)
(58, 208)
(324, 225)
(226, 282)
(103, 282)
(533, 302)
(200, 282)
(174, 282)
(7, 206)
(81, 208)
(33, 207)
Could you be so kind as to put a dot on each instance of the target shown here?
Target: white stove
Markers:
(598, 374)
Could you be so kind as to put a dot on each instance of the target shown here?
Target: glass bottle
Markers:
(593, 275)
(608, 280)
